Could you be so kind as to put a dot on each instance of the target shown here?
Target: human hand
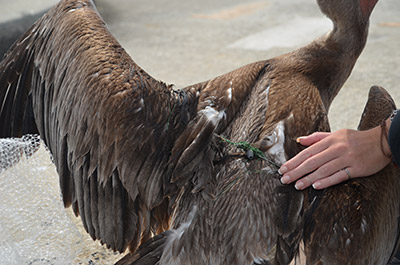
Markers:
(328, 154)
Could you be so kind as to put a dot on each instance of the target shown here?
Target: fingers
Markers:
(334, 179)
(318, 163)
(312, 139)
(327, 170)
(307, 153)
(305, 162)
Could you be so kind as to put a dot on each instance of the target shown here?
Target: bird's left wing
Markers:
(123, 143)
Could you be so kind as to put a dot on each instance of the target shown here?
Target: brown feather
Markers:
(134, 155)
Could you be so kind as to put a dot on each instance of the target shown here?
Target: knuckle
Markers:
(327, 182)
(340, 147)
(306, 154)
(332, 180)
(307, 181)
(323, 172)
(316, 134)
(313, 177)
(311, 164)
(352, 155)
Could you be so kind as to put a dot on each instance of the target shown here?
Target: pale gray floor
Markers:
(184, 42)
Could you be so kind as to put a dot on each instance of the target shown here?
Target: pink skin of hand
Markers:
(328, 153)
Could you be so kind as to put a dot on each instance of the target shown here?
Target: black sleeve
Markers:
(394, 138)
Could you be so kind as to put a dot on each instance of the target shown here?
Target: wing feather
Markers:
(117, 135)
(70, 78)
(94, 202)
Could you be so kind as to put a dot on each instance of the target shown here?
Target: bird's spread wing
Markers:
(122, 142)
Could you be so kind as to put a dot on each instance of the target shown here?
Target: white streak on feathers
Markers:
(213, 115)
(277, 150)
(230, 91)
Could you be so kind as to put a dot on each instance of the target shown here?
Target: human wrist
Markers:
(385, 148)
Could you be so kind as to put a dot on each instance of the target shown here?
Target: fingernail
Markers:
(299, 139)
(299, 185)
(285, 179)
(316, 185)
(282, 170)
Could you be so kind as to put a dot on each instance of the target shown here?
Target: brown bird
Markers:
(357, 222)
(138, 158)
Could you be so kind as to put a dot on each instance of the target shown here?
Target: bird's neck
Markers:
(331, 58)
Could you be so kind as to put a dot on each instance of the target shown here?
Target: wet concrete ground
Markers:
(184, 42)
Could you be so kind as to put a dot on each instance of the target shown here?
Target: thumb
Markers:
(312, 138)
